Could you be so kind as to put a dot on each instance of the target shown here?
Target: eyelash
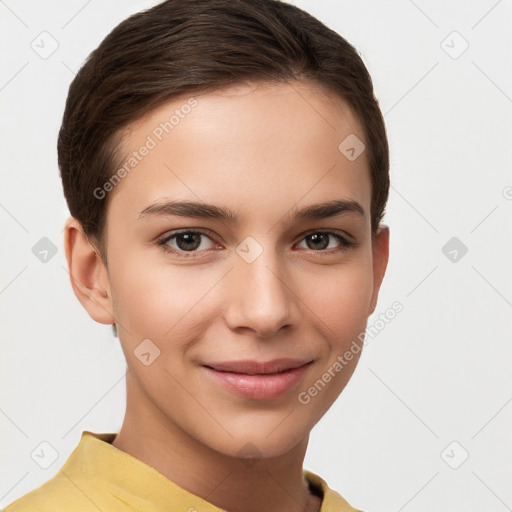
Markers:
(163, 241)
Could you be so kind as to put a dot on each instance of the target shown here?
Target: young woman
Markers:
(225, 164)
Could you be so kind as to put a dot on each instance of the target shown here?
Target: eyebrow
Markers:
(205, 210)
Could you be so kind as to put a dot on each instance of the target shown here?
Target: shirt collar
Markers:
(136, 482)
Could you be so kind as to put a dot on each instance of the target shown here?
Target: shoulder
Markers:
(59, 494)
(80, 485)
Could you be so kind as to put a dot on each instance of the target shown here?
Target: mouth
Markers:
(259, 368)
(259, 380)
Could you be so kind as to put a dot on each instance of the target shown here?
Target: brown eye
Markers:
(318, 241)
(321, 240)
(183, 242)
(188, 241)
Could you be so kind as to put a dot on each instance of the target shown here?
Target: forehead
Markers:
(248, 145)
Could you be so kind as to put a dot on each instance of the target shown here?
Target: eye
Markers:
(188, 243)
(320, 241)
(183, 242)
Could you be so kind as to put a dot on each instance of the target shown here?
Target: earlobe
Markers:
(380, 252)
(88, 274)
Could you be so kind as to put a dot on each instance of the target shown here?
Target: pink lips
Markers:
(259, 380)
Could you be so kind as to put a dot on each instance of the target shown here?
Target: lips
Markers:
(259, 368)
(258, 380)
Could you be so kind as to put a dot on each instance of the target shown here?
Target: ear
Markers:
(88, 274)
(380, 252)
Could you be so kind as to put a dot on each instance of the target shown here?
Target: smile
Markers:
(259, 381)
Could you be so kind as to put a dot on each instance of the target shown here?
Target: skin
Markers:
(262, 150)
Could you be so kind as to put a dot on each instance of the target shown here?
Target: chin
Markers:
(254, 445)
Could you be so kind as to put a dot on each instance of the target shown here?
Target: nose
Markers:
(261, 297)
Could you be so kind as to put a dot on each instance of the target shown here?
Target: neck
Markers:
(274, 484)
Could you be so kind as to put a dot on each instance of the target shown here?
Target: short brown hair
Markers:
(187, 46)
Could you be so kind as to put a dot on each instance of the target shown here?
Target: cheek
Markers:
(339, 308)
(340, 298)
(160, 302)
(166, 307)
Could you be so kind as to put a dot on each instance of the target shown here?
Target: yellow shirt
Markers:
(99, 477)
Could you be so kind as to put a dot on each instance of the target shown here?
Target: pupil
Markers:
(318, 237)
(189, 243)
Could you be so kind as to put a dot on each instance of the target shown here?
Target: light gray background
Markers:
(439, 372)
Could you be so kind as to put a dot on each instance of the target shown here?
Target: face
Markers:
(274, 263)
